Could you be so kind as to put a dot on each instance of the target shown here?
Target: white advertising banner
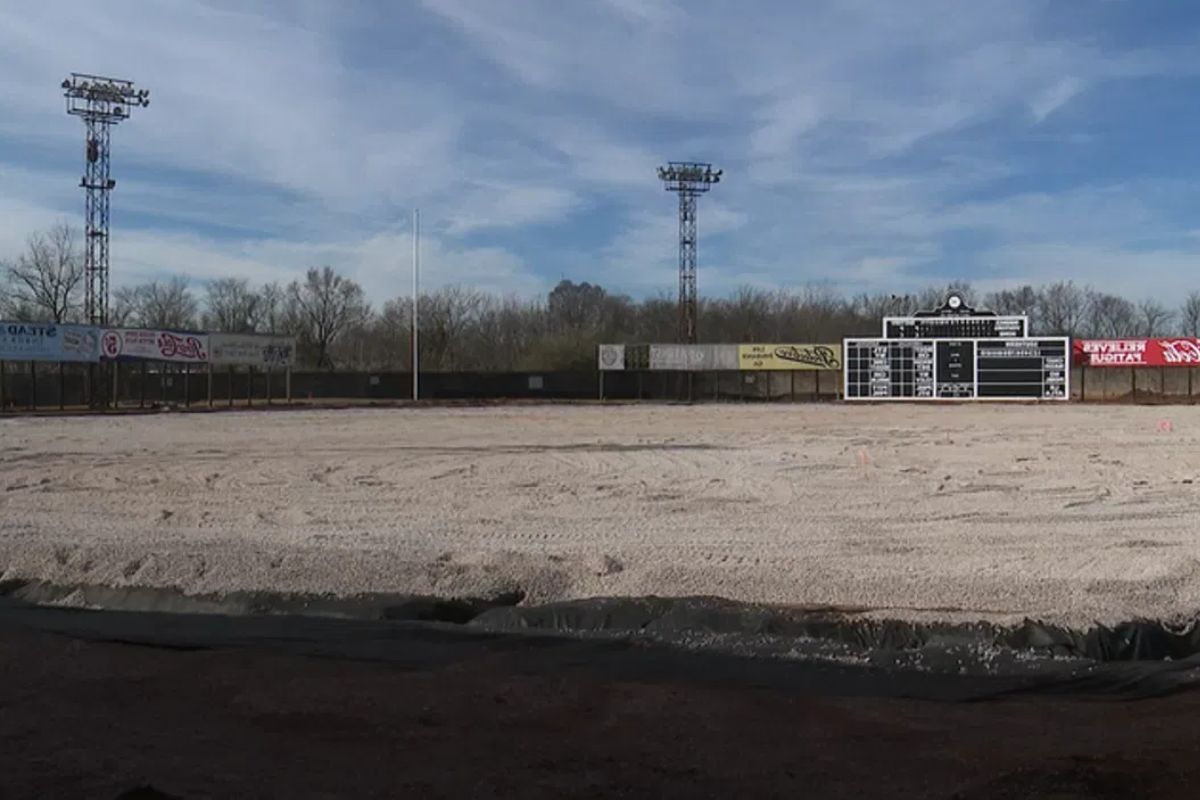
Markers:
(693, 357)
(135, 343)
(48, 341)
(253, 350)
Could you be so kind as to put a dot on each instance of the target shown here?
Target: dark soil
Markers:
(107, 705)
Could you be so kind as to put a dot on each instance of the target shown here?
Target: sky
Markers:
(867, 145)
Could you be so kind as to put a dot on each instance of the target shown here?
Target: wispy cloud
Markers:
(869, 144)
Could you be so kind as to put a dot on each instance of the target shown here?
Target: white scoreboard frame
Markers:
(1024, 320)
(1066, 342)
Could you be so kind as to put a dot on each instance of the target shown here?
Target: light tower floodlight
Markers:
(688, 179)
(102, 103)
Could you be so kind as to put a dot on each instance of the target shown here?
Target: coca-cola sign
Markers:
(135, 343)
(1180, 351)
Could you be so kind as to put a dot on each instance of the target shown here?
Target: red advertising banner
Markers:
(1181, 351)
(132, 343)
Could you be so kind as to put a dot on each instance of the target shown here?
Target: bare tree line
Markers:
(463, 328)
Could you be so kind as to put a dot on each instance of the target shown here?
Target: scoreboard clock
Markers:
(957, 369)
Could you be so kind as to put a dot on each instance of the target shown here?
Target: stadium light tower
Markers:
(102, 103)
(688, 179)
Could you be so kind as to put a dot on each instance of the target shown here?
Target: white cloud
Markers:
(863, 140)
(382, 264)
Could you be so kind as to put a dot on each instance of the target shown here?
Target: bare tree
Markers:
(47, 279)
(122, 309)
(1154, 319)
(444, 318)
(232, 306)
(164, 304)
(658, 320)
(272, 299)
(322, 308)
(575, 306)
(745, 317)
(1021, 301)
(1061, 309)
(1189, 315)
(391, 334)
(1112, 317)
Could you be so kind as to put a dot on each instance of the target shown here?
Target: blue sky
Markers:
(867, 144)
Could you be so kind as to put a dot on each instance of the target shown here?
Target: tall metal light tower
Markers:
(102, 103)
(688, 179)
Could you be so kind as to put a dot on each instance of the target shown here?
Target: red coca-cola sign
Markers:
(1177, 351)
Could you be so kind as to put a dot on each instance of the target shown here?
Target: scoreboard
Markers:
(1002, 368)
(959, 327)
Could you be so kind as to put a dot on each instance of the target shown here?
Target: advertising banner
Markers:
(48, 341)
(790, 356)
(135, 343)
(268, 352)
(693, 357)
(1178, 351)
(612, 356)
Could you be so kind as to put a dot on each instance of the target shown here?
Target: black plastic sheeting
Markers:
(700, 639)
(1157, 658)
(165, 599)
(674, 617)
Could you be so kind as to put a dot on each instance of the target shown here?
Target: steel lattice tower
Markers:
(102, 103)
(689, 180)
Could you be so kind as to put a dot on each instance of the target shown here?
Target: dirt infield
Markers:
(1071, 514)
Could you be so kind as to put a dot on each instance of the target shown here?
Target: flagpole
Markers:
(416, 288)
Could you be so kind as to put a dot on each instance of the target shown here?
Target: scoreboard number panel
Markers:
(1008, 368)
(956, 327)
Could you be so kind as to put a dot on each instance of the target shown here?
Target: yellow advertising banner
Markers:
(789, 356)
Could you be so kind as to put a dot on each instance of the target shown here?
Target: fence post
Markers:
(230, 392)
(249, 387)
(142, 387)
(601, 385)
(210, 399)
(116, 386)
(33, 385)
(288, 383)
(162, 382)
(639, 383)
(187, 385)
(268, 385)
(3, 399)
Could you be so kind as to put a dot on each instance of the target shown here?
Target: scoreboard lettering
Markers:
(956, 369)
(973, 327)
